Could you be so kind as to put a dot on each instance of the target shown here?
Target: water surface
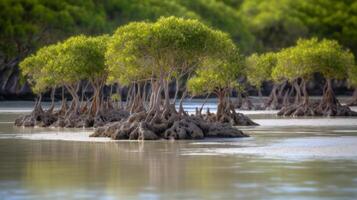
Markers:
(284, 158)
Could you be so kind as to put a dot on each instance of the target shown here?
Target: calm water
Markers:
(283, 159)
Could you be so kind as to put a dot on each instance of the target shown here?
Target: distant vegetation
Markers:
(273, 35)
(256, 25)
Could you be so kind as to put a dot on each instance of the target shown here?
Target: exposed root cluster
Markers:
(316, 109)
(142, 125)
(327, 106)
(66, 117)
(229, 117)
(166, 125)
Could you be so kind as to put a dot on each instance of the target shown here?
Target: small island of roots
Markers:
(146, 59)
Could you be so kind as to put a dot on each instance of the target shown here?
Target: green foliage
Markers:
(171, 46)
(259, 68)
(126, 54)
(161, 50)
(313, 56)
(39, 68)
(232, 3)
(28, 24)
(217, 74)
(279, 23)
(115, 97)
(295, 62)
(82, 58)
(78, 58)
(136, 10)
(221, 16)
(330, 19)
(331, 60)
(274, 23)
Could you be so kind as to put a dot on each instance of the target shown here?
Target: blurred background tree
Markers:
(255, 25)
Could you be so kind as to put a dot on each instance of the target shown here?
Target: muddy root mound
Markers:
(41, 118)
(141, 126)
(232, 118)
(316, 109)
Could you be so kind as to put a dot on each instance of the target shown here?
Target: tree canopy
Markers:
(259, 68)
(279, 23)
(67, 63)
(217, 75)
(170, 48)
(296, 61)
(40, 68)
(274, 23)
(327, 57)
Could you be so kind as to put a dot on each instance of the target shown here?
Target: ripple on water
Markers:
(64, 136)
(310, 122)
(295, 148)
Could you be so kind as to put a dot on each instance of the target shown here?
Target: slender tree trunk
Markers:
(203, 104)
(181, 109)
(63, 99)
(128, 96)
(53, 91)
(286, 100)
(329, 97)
(167, 95)
(84, 91)
(221, 106)
(39, 101)
(304, 91)
(281, 89)
(118, 91)
(75, 98)
(298, 92)
(177, 90)
(143, 97)
(272, 101)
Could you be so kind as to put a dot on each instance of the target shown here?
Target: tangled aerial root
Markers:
(316, 109)
(232, 118)
(329, 105)
(41, 118)
(143, 126)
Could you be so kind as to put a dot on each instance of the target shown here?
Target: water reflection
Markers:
(204, 169)
(157, 170)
